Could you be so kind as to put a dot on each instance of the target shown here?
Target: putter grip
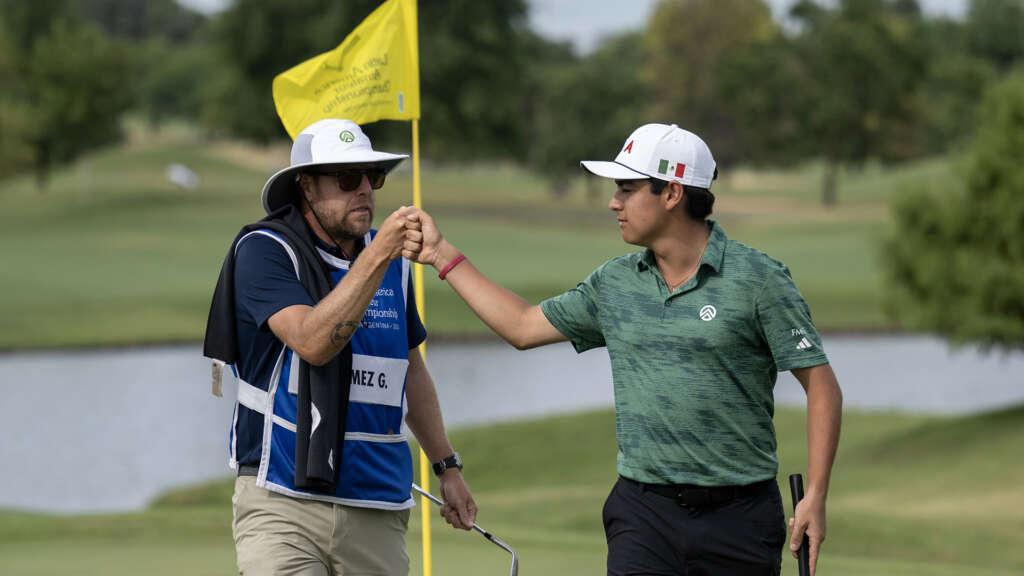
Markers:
(796, 488)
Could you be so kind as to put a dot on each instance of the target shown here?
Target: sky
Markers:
(585, 22)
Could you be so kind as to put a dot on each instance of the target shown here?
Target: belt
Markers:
(248, 470)
(690, 496)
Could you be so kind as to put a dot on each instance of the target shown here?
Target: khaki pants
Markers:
(280, 535)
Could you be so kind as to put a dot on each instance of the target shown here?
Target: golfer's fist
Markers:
(459, 509)
(421, 231)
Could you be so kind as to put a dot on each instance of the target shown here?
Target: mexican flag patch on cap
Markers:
(665, 165)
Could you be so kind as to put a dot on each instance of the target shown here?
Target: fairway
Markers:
(121, 256)
(911, 496)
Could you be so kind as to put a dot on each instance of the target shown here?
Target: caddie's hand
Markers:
(391, 234)
(459, 509)
(809, 518)
(421, 228)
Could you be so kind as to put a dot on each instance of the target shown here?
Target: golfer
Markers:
(697, 327)
(315, 311)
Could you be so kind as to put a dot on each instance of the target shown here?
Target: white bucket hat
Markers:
(663, 152)
(331, 143)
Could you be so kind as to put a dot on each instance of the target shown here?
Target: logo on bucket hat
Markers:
(662, 151)
(346, 136)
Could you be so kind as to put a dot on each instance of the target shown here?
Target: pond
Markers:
(106, 430)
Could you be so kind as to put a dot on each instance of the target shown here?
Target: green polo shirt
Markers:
(694, 370)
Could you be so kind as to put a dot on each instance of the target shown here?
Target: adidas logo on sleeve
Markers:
(804, 344)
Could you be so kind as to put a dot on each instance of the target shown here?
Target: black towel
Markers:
(323, 390)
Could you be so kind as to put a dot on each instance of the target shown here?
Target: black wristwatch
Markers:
(452, 461)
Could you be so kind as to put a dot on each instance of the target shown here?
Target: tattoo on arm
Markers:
(342, 332)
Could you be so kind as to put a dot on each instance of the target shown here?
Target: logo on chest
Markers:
(382, 311)
(708, 313)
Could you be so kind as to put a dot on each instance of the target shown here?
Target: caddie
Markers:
(314, 311)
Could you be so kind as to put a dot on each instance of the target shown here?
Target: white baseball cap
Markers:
(330, 143)
(663, 152)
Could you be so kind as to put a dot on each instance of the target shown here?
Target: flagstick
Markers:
(418, 289)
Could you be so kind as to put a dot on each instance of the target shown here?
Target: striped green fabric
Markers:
(693, 370)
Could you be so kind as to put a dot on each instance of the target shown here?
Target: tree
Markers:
(864, 69)
(74, 81)
(586, 107)
(171, 80)
(475, 59)
(763, 87)
(66, 88)
(689, 41)
(954, 84)
(24, 22)
(995, 30)
(142, 19)
(15, 153)
(955, 260)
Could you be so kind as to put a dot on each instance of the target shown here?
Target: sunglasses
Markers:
(349, 179)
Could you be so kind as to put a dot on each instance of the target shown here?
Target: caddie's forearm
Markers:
(824, 419)
(501, 309)
(330, 324)
(424, 416)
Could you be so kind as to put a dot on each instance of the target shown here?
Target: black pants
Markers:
(650, 534)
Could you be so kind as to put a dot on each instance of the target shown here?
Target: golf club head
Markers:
(501, 544)
(497, 541)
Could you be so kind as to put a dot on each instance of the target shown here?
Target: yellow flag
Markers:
(374, 74)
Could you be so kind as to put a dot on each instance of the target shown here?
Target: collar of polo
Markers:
(713, 254)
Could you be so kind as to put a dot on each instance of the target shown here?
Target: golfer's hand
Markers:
(809, 518)
(459, 509)
(391, 235)
(421, 229)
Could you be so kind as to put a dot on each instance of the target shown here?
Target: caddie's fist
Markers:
(391, 235)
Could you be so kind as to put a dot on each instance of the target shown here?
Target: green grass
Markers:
(112, 253)
(911, 495)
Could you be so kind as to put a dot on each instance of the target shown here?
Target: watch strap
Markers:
(452, 461)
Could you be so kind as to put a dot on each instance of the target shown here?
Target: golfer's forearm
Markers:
(824, 418)
(505, 312)
(424, 416)
(329, 325)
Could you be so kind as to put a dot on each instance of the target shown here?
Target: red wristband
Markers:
(455, 262)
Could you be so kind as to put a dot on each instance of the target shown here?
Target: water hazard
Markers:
(111, 429)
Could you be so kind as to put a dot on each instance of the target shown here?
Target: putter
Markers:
(796, 488)
(497, 541)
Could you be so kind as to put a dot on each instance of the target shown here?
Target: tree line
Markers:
(859, 80)
(846, 82)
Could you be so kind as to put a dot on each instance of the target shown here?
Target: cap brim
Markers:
(278, 189)
(612, 170)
